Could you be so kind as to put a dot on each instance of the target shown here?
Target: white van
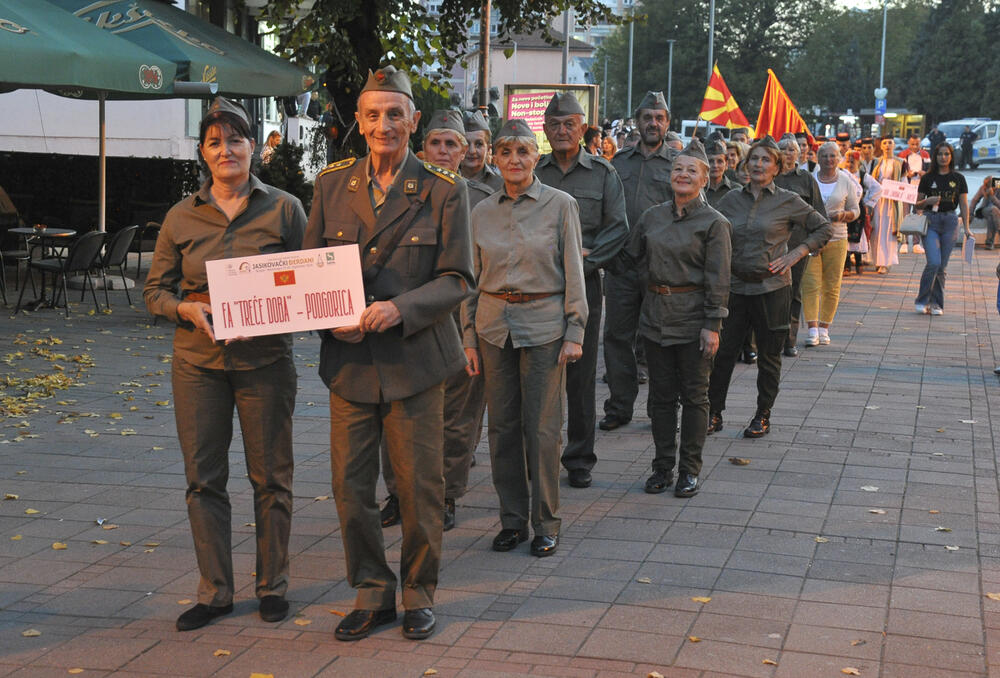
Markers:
(987, 145)
(705, 128)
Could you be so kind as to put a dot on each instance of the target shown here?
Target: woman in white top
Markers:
(821, 280)
(868, 191)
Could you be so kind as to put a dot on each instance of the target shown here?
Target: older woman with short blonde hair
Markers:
(521, 329)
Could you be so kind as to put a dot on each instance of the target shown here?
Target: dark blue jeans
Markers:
(938, 243)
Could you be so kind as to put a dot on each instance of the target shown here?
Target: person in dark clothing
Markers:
(966, 141)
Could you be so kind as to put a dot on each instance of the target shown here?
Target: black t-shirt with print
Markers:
(948, 186)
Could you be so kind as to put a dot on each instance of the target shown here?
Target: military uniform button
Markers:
(373, 250)
(415, 239)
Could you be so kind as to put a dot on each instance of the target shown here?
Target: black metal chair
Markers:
(83, 257)
(12, 248)
(115, 254)
(145, 241)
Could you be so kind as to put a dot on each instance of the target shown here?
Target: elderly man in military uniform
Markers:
(645, 173)
(386, 375)
(446, 145)
(595, 184)
(719, 183)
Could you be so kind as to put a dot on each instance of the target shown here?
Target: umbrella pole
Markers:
(101, 181)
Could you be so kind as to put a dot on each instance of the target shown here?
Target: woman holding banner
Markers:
(234, 214)
(888, 213)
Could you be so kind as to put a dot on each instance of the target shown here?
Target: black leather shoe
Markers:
(508, 539)
(359, 623)
(749, 357)
(201, 614)
(579, 477)
(611, 422)
(759, 426)
(390, 512)
(658, 482)
(714, 422)
(544, 545)
(273, 608)
(791, 352)
(449, 514)
(642, 376)
(687, 485)
(418, 624)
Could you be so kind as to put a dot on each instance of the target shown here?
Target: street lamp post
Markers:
(604, 106)
(711, 38)
(670, 70)
(631, 39)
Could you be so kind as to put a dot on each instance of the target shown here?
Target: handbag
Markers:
(913, 224)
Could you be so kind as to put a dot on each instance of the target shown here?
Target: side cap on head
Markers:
(715, 147)
(695, 150)
(447, 119)
(222, 106)
(515, 127)
(564, 103)
(653, 101)
(388, 79)
(766, 142)
(476, 122)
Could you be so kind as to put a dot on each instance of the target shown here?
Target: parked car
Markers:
(987, 145)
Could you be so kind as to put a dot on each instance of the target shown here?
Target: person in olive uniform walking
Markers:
(598, 191)
(645, 173)
(386, 375)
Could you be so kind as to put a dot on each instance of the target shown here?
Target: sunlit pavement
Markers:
(864, 533)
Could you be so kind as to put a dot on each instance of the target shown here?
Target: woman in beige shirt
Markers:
(526, 322)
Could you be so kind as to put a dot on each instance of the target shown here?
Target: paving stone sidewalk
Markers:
(864, 533)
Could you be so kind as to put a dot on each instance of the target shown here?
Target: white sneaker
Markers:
(824, 337)
(917, 249)
(812, 339)
(937, 311)
(920, 308)
(903, 249)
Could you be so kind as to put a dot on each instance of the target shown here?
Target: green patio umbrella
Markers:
(202, 52)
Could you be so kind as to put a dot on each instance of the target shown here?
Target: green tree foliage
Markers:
(285, 172)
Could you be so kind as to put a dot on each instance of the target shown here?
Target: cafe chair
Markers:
(83, 257)
(12, 248)
(145, 241)
(115, 254)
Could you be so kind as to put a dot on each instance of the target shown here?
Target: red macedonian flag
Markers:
(719, 106)
(778, 114)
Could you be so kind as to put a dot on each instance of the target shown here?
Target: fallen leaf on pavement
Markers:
(322, 497)
(739, 461)
(770, 662)
(30, 512)
(701, 599)
(951, 548)
(993, 596)
(59, 546)
(109, 526)
(184, 601)
(850, 671)
(75, 671)
(99, 542)
(942, 529)
(654, 674)
(869, 488)
(261, 675)
(31, 633)
(940, 430)
(152, 544)
(16, 537)
(878, 512)
(222, 653)
(855, 643)
(871, 407)
(933, 511)
(430, 672)
(821, 540)
(968, 421)
(338, 613)
(9, 497)
(644, 580)
(125, 543)
(694, 639)
(302, 622)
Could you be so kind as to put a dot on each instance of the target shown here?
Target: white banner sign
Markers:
(899, 190)
(286, 292)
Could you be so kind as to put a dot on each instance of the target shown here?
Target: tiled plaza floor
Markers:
(864, 534)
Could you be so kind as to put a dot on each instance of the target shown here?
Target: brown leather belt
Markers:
(198, 296)
(666, 289)
(519, 297)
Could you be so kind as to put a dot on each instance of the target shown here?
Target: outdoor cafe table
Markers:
(45, 238)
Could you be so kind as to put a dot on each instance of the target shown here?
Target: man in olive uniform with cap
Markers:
(719, 183)
(594, 183)
(386, 374)
(445, 145)
(645, 174)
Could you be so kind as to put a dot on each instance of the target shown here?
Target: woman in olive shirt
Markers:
(233, 215)
(526, 322)
(682, 251)
(763, 217)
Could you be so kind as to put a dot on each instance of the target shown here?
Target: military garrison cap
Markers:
(715, 147)
(564, 103)
(767, 141)
(388, 79)
(695, 150)
(221, 107)
(653, 101)
(476, 122)
(515, 127)
(447, 119)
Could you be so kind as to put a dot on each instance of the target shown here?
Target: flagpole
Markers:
(711, 37)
